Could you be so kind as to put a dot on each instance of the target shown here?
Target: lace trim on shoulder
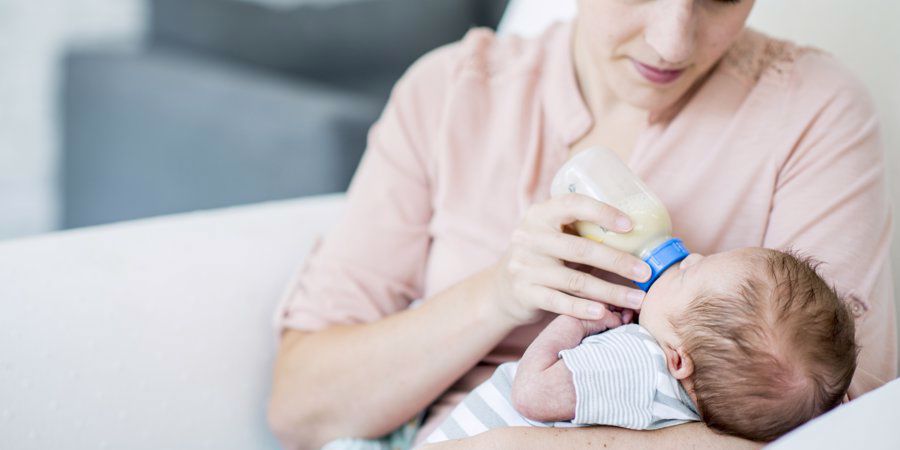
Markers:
(755, 54)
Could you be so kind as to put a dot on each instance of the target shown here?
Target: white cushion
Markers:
(153, 334)
(869, 422)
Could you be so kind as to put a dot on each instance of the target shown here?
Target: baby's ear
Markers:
(680, 363)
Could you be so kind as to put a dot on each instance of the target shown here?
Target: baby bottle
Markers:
(599, 173)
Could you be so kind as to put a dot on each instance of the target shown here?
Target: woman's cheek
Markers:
(612, 23)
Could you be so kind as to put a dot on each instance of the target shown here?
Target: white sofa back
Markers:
(151, 335)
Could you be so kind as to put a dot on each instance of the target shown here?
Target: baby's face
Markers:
(671, 294)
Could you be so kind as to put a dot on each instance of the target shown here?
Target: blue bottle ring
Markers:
(661, 258)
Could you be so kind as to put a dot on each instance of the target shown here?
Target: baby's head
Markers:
(757, 338)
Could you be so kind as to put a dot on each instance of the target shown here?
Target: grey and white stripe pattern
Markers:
(620, 379)
(488, 406)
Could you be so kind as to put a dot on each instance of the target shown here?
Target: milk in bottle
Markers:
(599, 173)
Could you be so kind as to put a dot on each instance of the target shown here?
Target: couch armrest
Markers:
(869, 422)
(149, 334)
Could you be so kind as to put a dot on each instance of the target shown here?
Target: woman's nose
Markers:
(671, 30)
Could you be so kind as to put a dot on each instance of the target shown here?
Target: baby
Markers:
(752, 341)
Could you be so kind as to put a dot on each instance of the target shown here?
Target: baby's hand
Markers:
(568, 325)
(543, 389)
(545, 396)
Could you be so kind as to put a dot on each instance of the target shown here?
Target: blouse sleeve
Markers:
(371, 264)
(830, 203)
(615, 381)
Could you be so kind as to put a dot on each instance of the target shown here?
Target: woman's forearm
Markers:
(365, 380)
(692, 435)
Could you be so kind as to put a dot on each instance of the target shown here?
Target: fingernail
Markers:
(596, 311)
(623, 223)
(641, 271)
(635, 298)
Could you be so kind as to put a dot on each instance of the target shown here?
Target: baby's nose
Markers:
(692, 259)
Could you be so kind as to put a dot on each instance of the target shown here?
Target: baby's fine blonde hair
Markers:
(771, 353)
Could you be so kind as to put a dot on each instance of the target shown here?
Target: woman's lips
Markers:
(657, 75)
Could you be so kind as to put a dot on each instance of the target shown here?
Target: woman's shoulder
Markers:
(461, 78)
(483, 54)
(790, 71)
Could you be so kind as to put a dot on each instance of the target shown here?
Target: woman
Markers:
(748, 141)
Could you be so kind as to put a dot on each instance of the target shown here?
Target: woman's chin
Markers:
(644, 94)
(652, 99)
(651, 102)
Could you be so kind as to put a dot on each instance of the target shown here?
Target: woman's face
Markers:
(650, 52)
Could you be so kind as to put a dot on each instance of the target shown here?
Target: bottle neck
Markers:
(652, 246)
(665, 255)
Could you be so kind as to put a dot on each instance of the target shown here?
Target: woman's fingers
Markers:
(587, 286)
(532, 276)
(561, 303)
(565, 209)
(585, 251)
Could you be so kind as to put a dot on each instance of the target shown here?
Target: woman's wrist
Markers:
(492, 304)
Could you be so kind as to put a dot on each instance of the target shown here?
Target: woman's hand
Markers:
(533, 276)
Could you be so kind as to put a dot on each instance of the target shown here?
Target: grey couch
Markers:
(236, 101)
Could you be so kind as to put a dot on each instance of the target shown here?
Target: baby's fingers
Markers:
(608, 321)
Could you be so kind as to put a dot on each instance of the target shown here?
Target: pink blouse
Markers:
(780, 147)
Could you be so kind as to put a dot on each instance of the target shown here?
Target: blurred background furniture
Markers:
(239, 101)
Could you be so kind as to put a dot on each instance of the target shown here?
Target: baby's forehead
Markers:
(737, 266)
(745, 258)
